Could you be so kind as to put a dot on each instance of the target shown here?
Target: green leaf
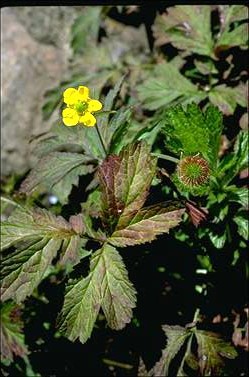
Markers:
(103, 119)
(166, 86)
(176, 336)
(57, 172)
(124, 182)
(227, 98)
(118, 127)
(85, 29)
(12, 337)
(187, 27)
(146, 224)
(239, 195)
(218, 239)
(190, 131)
(106, 286)
(64, 139)
(233, 163)
(214, 126)
(117, 292)
(37, 236)
(236, 36)
(211, 351)
(243, 226)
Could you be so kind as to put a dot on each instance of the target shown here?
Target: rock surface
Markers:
(34, 58)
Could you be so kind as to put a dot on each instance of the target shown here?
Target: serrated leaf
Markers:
(117, 292)
(217, 239)
(57, 172)
(243, 225)
(62, 139)
(233, 163)
(146, 225)
(37, 236)
(12, 337)
(227, 98)
(176, 337)
(85, 29)
(192, 131)
(106, 286)
(186, 27)
(118, 126)
(103, 123)
(125, 181)
(239, 195)
(166, 86)
(211, 351)
(214, 126)
(236, 36)
(142, 370)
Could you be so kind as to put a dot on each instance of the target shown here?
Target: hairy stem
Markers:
(166, 157)
(101, 140)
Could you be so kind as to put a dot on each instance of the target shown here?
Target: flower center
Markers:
(81, 107)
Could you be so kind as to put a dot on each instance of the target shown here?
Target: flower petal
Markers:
(94, 105)
(71, 96)
(83, 93)
(70, 117)
(88, 120)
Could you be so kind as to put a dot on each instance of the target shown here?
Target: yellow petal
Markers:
(71, 96)
(94, 105)
(70, 117)
(88, 120)
(83, 93)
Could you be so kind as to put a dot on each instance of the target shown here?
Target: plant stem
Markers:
(196, 315)
(101, 140)
(117, 364)
(166, 157)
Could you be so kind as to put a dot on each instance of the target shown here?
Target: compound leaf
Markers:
(176, 337)
(166, 86)
(106, 286)
(187, 28)
(233, 163)
(12, 337)
(37, 236)
(117, 292)
(58, 172)
(125, 181)
(211, 351)
(146, 224)
(85, 29)
(238, 34)
(227, 98)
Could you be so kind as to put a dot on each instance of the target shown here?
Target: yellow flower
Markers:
(79, 107)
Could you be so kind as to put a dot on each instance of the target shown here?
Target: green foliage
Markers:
(58, 172)
(165, 86)
(190, 89)
(211, 352)
(37, 236)
(208, 360)
(125, 181)
(236, 36)
(12, 337)
(85, 29)
(107, 286)
(147, 223)
(187, 28)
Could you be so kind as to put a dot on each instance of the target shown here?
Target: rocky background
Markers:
(35, 53)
